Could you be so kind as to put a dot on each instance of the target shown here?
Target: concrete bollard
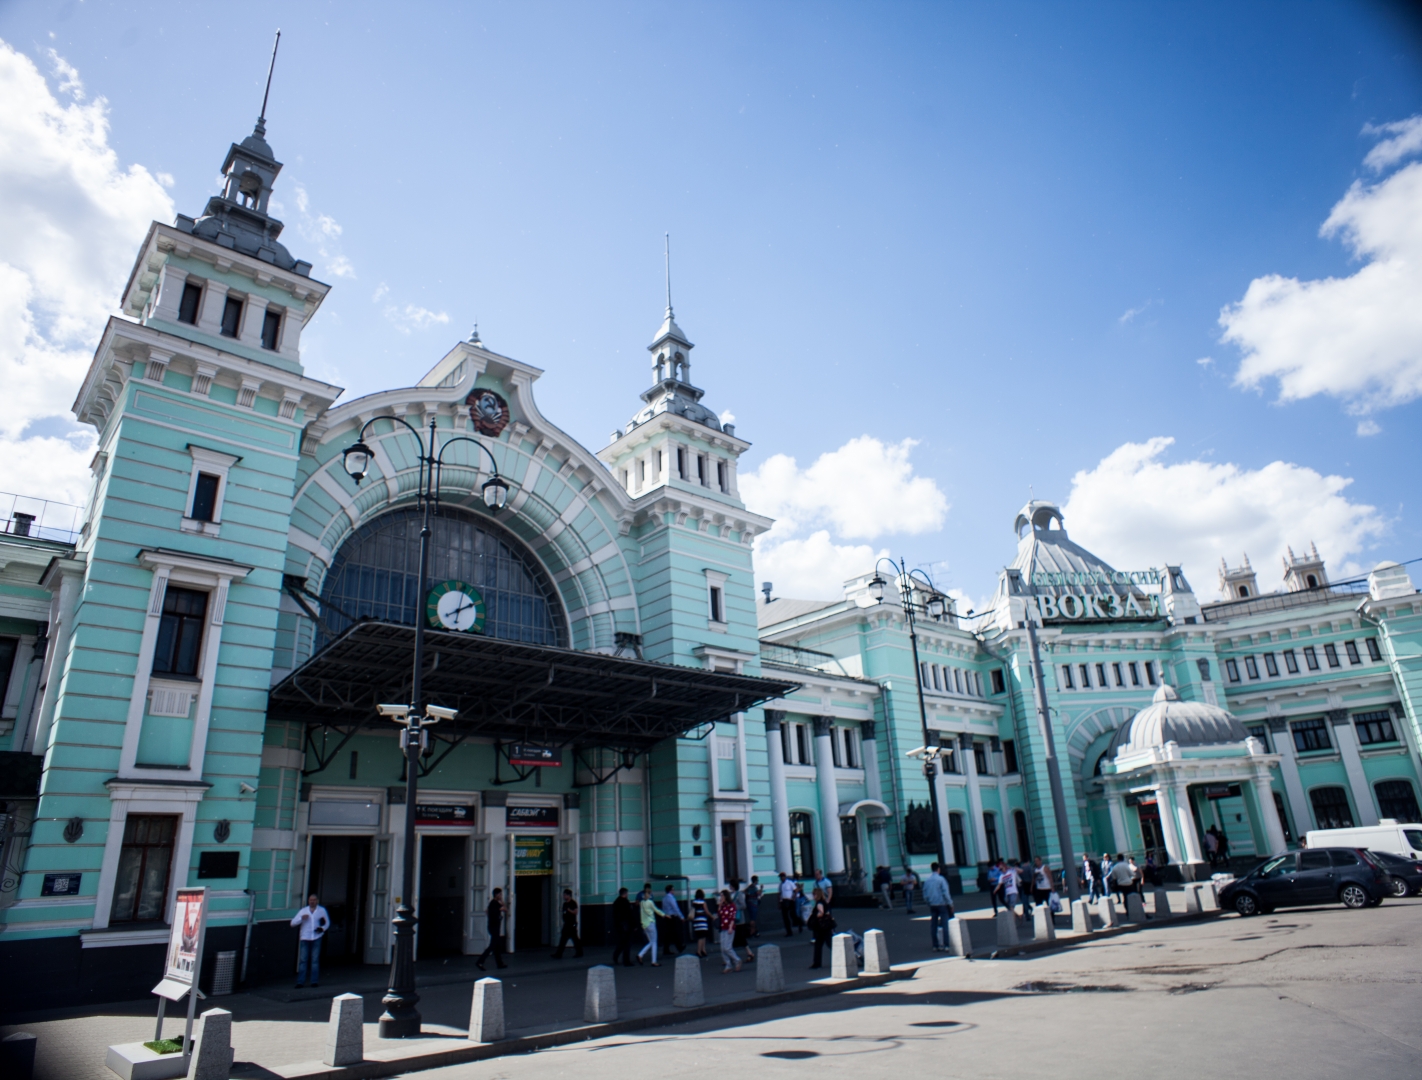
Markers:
(1081, 916)
(212, 1046)
(960, 937)
(1209, 896)
(486, 1015)
(1162, 904)
(345, 1037)
(687, 992)
(600, 1001)
(843, 963)
(876, 953)
(1006, 928)
(17, 1055)
(1135, 907)
(769, 971)
(1044, 927)
(1106, 908)
(1192, 898)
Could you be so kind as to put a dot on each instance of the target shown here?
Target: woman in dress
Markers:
(700, 923)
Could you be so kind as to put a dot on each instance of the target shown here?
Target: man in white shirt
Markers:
(787, 904)
(940, 907)
(314, 923)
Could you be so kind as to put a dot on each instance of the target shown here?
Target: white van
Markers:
(1387, 835)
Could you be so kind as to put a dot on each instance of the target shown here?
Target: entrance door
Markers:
(533, 889)
(849, 837)
(802, 845)
(441, 904)
(340, 871)
(730, 851)
(1152, 836)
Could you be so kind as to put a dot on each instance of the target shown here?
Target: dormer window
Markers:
(271, 329)
(231, 317)
(190, 303)
(1312, 581)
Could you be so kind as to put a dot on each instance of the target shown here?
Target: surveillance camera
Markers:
(438, 712)
(394, 712)
(246, 788)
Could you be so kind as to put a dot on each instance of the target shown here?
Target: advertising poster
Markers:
(185, 945)
(533, 855)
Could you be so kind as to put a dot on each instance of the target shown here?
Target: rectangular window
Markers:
(681, 462)
(999, 681)
(1135, 673)
(1251, 668)
(1009, 756)
(1150, 672)
(205, 497)
(1351, 648)
(641, 472)
(1330, 808)
(1085, 676)
(1374, 653)
(1310, 735)
(717, 614)
(1331, 652)
(145, 861)
(978, 683)
(924, 675)
(190, 303)
(626, 483)
(1116, 671)
(1311, 658)
(231, 317)
(1283, 817)
(1066, 677)
(786, 750)
(936, 684)
(980, 761)
(802, 746)
(701, 470)
(1375, 727)
(835, 749)
(657, 465)
(180, 632)
(1261, 732)
(960, 843)
(957, 680)
(1271, 663)
(1101, 676)
(851, 755)
(721, 475)
(1291, 661)
(1232, 670)
(271, 329)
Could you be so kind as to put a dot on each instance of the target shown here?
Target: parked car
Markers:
(1400, 838)
(1350, 876)
(1406, 874)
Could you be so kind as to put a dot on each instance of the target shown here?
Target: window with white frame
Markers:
(1066, 677)
(721, 476)
(851, 749)
(207, 489)
(681, 463)
(716, 596)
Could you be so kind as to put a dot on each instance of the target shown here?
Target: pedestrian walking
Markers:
(939, 899)
(674, 923)
(826, 886)
(1091, 878)
(1010, 888)
(884, 886)
(314, 922)
(994, 876)
(1223, 846)
(700, 922)
(1212, 845)
(570, 927)
(910, 882)
(1137, 877)
(753, 894)
(821, 925)
(495, 914)
(803, 907)
(726, 928)
(1123, 877)
(1041, 881)
(647, 913)
(787, 904)
(624, 921)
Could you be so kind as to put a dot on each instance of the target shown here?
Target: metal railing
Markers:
(1255, 605)
(796, 657)
(39, 519)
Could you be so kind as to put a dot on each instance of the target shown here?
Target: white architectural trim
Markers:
(140, 797)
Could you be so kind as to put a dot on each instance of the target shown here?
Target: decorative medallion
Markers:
(73, 830)
(489, 411)
(222, 831)
(453, 605)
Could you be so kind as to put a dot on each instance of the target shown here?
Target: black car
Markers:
(1406, 874)
(1350, 876)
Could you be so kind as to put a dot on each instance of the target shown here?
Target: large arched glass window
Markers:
(376, 575)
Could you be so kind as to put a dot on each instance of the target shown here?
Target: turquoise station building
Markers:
(189, 677)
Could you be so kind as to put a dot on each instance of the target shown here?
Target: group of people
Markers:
(1018, 888)
(730, 915)
(1216, 846)
(1119, 874)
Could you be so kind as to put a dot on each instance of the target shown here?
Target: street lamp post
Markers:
(401, 1018)
(933, 607)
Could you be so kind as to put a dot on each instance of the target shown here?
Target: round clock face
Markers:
(453, 605)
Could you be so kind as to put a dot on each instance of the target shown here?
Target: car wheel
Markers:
(1399, 888)
(1246, 905)
(1354, 896)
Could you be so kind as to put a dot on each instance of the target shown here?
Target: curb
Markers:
(464, 1051)
(1086, 939)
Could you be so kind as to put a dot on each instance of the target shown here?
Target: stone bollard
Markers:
(345, 1037)
(1135, 907)
(1192, 898)
(17, 1055)
(1081, 916)
(1106, 908)
(960, 937)
(1209, 896)
(1162, 904)
(769, 971)
(600, 1002)
(212, 1046)
(876, 953)
(843, 963)
(687, 992)
(1044, 927)
(1006, 928)
(486, 1015)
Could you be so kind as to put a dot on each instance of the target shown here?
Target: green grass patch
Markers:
(166, 1046)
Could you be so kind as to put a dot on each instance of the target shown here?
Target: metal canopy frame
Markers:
(509, 690)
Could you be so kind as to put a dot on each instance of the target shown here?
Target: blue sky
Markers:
(1004, 231)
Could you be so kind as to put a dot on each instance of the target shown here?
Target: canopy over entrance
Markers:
(512, 690)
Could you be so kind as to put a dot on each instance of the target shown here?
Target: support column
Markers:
(975, 795)
(1347, 740)
(1167, 824)
(779, 804)
(874, 788)
(1269, 814)
(1185, 819)
(1118, 824)
(829, 797)
(1283, 740)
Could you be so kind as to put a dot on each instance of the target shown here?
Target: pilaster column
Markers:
(1283, 740)
(1167, 824)
(1185, 820)
(1269, 814)
(1347, 740)
(779, 804)
(1118, 823)
(214, 301)
(975, 795)
(829, 797)
(874, 788)
(254, 313)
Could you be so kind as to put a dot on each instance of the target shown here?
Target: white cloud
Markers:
(1369, 427)
(1406, 140)
(1136, 511)
(863, 490)
(72, 222)
(340, 266)
(1205, 361)
(411, 317)
(727, 417)
(1356, 338)
(1131, 313)
(325, 232)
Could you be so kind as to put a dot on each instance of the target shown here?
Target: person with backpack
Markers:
(821, 925)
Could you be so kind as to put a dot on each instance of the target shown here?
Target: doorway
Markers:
(849, 838)
(802, 845)
(1152, 835)
(531, 906)
(340, 871)
(730, 852)
(441, 906)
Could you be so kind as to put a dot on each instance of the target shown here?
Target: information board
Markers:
(185, 943)
(533, 856)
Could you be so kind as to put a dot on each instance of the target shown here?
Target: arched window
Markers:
(1330, 808)
(960, 842)
(802, 844)
(376, 575)
(1397, 800)
(990, 828)
(1024, 836)
(1312, 581)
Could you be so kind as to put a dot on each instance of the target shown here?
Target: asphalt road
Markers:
(1313, 992)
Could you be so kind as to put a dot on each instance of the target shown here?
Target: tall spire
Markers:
(267, 93)
(667, 239)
